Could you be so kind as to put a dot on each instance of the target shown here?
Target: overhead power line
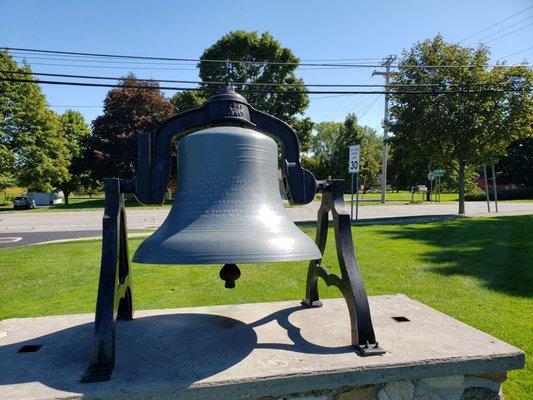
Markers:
(102, 61)
(515, 53)
(259, 84)
(135, 57)
(368, 108)
(510, 33)
(254, 62)
(502, 30)
(100, 106)
(432, 92)
(134, 67)
(84, 59)
(114, 67)
(496, 24)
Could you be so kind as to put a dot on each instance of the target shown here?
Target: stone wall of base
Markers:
(453, 387)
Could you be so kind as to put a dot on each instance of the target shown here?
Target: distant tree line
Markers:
(41, 150)
(37, 146)
(328, 155)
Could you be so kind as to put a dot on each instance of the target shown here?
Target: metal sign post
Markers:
(353, 168)
(351, 200)
(486, 186)
(431, 177)
(438, 173)
(357, 196)
(494, 188)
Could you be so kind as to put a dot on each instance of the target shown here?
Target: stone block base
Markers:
(258, 351)
(453, 387)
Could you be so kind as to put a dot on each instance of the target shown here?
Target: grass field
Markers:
(402, 196)
(81, 203)
(476, 270)
(77, 203)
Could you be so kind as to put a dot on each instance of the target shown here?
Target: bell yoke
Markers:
(227, 210)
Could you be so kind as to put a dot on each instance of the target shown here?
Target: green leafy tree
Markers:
(132, 108)
(252, 48)
(323, 143)
(188, 99)
(30, 132)
(304, 129)
(349, 133)
(404, 170)
(76, 132)
(243, 54)
(330, 150)
(371, 146)
(517, 167)
(465, 129)
(7, 162)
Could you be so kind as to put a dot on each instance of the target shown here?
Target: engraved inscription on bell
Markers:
(227, 207)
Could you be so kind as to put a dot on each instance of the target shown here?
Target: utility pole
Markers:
(387, 73)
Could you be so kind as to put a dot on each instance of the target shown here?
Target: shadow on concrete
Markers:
(299, 344)
(496, 250)
(166, 350)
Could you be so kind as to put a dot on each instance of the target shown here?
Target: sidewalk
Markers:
(151, 218)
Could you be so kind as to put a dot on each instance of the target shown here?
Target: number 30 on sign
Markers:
(353, 159)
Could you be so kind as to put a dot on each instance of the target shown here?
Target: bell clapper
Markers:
(230, 273)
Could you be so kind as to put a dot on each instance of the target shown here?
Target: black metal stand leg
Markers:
(114, 289)
(311, 290)
(350, 283)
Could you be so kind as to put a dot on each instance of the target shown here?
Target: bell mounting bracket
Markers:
(350, 283)
(226, 108)
(114, 288)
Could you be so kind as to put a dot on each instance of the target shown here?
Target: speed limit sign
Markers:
(353, 160)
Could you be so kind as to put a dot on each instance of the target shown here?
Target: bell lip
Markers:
(217, 260)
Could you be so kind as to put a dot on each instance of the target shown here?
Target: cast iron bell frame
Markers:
(115, 298)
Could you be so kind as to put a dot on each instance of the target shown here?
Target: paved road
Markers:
(24, 238)
(34, 227)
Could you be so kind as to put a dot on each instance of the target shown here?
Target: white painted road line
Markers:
(10, 239)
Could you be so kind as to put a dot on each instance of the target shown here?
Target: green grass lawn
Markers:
(401, 197)
(476, 270)
(97, 202)
(82, 203)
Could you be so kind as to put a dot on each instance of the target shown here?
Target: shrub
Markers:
(12, 192)
(503, 194)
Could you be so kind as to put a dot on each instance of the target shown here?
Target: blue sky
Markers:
(312, 29)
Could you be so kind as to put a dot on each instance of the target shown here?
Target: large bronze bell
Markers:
(228, 208)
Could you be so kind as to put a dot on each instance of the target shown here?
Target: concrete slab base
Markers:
(252, 350)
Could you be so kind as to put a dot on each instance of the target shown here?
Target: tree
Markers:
(249, 48)
(7, 161)
(132, 108)
(405, 170)
(245, 53)
(370, 166)
(458, 130)
(76, 132)
(183, 101)
(30, 132)
(517, 167)
(304, 129)
(330, 150)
